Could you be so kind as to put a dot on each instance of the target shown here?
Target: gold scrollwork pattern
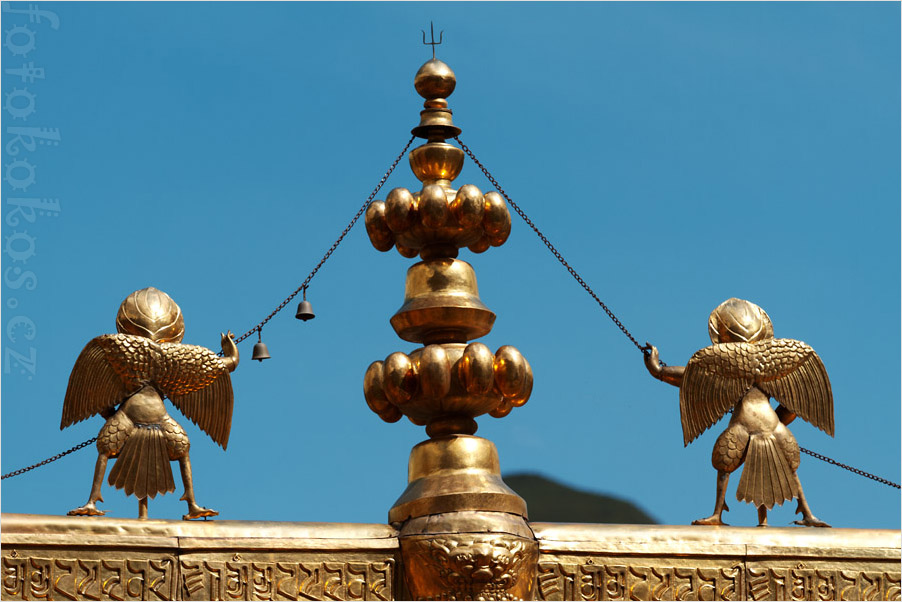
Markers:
(598, 581)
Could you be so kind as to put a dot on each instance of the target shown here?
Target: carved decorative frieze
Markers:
(167, 578)
(593, 580)
(36, 578)
(202, 580)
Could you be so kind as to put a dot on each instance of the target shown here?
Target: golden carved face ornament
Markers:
(739, 321)
(151, 313)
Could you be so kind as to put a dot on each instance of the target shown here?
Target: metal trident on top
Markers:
(433, 43)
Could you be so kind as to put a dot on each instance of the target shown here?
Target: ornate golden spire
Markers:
(454, 478)
(448, 382)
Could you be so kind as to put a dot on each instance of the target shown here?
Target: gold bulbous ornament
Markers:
(400, 210)
(380, 234)
(434, 79)
(497, 221)
(438, 220)
(432, 207)
(468, 206)
(447, 385)
(476, 369)
(434, 371)
(399, 377)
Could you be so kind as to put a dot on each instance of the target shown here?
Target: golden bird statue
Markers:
(134, 370)
(740, 372)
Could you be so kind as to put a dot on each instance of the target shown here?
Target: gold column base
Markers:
(469, 556)
(464, 534)
(453, 474)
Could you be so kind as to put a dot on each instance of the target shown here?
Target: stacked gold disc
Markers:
(446, 383)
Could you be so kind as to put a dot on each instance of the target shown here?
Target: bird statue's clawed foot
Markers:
(713, 520)
(195, 511)
(808, 519)
(89, 509)
(811, 521)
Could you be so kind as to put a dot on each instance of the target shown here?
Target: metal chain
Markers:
(644, 349)
(331, 249)
(49, 460)
(281, 306)
(850, 468)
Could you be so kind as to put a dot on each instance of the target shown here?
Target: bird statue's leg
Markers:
(90, 509)
(723, 477)
(194, 511)
(762, 516)
(142, 508)
(808, 519)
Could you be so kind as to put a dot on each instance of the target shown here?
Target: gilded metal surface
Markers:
(445, 386)
(435, 82)
(448, 382)
(469, 556)
(436, 163)
(744, 368)
(464, 566)
(638, 562)
(455, 473)
(438, 220)
(441, 304)
(135, 370)
(114, 559)
(51, 557)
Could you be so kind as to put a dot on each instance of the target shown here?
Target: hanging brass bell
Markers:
(260, 352)
(305, 311)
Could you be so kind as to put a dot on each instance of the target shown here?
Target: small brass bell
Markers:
(260, 351)
(305, 309)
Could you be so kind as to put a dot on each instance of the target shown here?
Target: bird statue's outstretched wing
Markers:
(793, 374)
(197, 382)
(109, 368)
(717, 377)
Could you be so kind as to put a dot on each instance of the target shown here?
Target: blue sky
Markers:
(677, 154)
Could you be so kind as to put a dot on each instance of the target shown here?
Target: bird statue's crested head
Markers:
(151, 313)
(739, 321)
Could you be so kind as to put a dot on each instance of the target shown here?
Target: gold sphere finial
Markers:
(434, 80)
(151, 313)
